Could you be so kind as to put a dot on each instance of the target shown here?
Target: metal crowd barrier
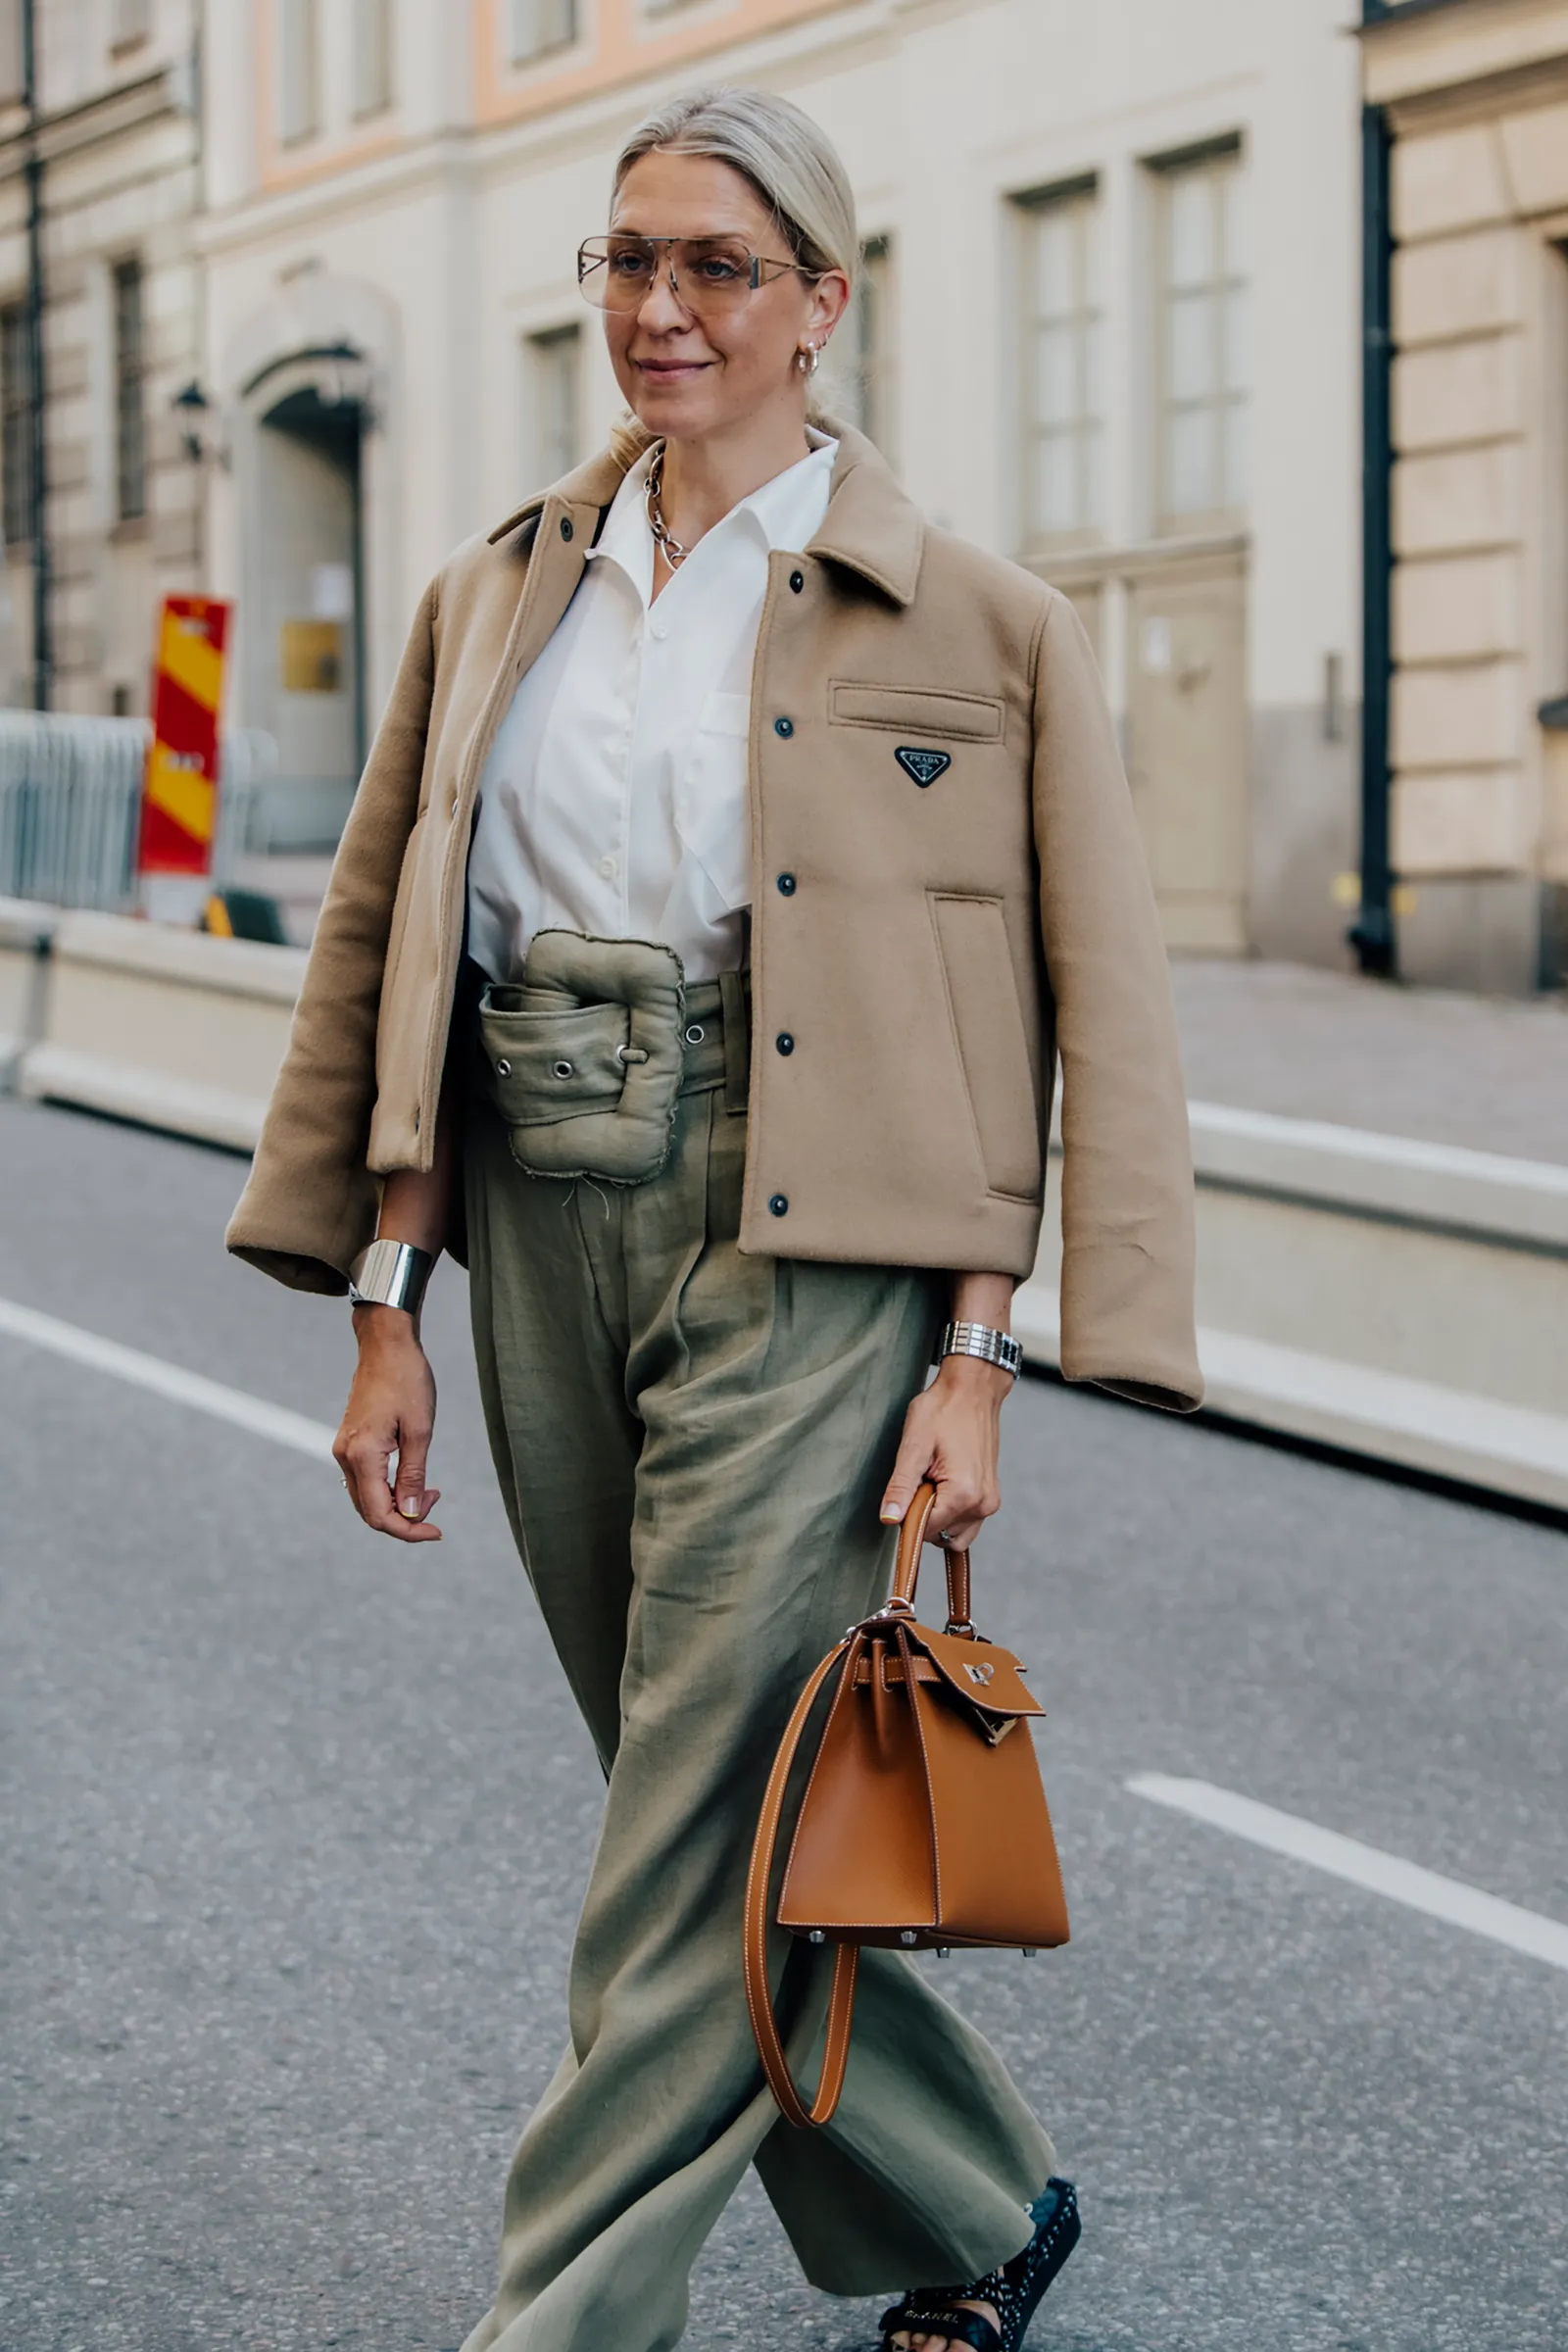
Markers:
(69, 795)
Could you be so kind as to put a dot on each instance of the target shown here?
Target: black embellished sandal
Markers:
(1013, 2292)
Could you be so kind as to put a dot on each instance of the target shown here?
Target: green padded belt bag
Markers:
(583, 1056)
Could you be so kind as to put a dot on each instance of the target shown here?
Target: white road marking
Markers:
(179, 1387)
(1427, 1891)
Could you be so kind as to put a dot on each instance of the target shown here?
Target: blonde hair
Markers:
(780, 152)
(788, 159)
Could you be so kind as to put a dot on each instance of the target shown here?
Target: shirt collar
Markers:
(871, 526)
(626, 540)
(788, 508)
(784, 511)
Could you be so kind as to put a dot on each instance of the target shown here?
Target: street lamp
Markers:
(192, 406)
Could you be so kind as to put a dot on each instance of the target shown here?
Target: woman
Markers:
(787, 843)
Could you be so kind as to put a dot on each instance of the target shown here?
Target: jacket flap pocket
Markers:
(915, 711)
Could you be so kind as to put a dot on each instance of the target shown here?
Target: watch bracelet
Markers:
(983, 1342)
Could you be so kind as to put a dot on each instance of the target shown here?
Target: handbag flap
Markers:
(983, 1675)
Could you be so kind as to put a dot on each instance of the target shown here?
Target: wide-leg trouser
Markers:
(692, 1446)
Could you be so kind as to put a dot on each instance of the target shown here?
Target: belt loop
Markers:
(737, 1044)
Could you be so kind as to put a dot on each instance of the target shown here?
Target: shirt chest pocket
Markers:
(712, 802)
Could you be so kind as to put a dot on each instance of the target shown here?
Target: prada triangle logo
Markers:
(923, 767)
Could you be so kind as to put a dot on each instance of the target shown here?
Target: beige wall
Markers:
(120, 142)
(439, 237)
(1478, 96)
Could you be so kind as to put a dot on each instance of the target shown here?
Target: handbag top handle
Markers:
(906, 1566)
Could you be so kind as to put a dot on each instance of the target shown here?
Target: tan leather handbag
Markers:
(923, 1822)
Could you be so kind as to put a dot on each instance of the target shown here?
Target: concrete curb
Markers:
(26, 931)
(1521, 1201)
(208, 1113)
(173, 1028)
(1452, 1433)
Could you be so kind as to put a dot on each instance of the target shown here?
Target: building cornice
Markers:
(1426, 49)
(1093, 566)
(446, 157)
(108, 114)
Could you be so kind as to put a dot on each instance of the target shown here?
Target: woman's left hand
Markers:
(951, 1436)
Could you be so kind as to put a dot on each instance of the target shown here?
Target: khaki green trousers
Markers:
(692, 1446)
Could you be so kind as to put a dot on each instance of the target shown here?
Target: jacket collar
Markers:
(870, 528)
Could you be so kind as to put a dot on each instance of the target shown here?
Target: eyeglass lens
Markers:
(711, 274)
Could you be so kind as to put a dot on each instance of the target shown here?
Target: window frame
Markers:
(13, 64)
(17, 494)
(541, 348)
(858, 376)
(1222, 163)
(1088, 426)
(130, 24)
(521, 53)
(132, 468)
(372, 63)
(298, 63)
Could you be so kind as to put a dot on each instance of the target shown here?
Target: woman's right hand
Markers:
(391, 1410)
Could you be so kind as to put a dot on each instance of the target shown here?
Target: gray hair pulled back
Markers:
(788, 159)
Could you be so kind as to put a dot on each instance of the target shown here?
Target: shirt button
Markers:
(565, 526)
(796, 581)
(784, 1042)
(609, 869)
(657, 628)
(786, 884)
(779, 1205)
(783, 726)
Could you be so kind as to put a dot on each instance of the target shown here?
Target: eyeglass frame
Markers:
(759, 262)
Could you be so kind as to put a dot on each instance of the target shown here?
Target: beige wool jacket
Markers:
(948, 892)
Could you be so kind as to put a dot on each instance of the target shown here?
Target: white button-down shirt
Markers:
(614, 800)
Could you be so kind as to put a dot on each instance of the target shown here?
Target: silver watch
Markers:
(998, 1348)
(390, 1274)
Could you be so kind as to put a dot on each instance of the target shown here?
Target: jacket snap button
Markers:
(796, 581)
(565, 526)
(783, 726)
(786, 883)
(503, 1070)
(696, 1034)
(561, 1069)
(778, 1206)
(784, 1042)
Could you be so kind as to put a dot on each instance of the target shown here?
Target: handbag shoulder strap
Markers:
(846, 1957)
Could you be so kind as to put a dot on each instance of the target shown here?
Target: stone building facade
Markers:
(1476, 97)
(118, 135)
(1107, 326)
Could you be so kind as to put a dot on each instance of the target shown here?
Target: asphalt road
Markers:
(295, 1826)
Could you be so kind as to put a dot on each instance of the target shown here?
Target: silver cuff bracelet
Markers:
(997, 1348)
(390, 1274)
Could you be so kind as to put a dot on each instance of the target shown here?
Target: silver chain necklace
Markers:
(674, 554)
